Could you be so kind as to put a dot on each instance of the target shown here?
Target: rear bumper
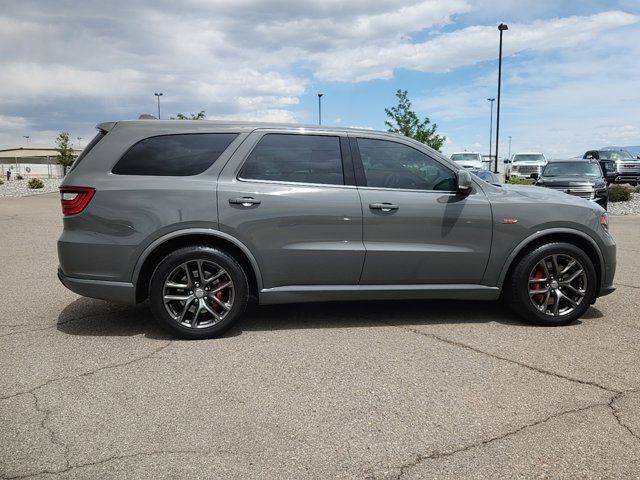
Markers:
(120, 292)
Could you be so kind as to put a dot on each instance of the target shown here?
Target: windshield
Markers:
(528, 157)
(615, 155)
(582, 169)
(464, 156)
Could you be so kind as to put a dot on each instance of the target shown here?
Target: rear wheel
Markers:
(198, 292)
(554, 284)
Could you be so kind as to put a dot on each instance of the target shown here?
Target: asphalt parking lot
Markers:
(366, 390)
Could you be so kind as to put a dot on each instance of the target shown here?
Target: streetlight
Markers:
(502, 27)
(320, 108)
(159, 95)
(509, 147)
(79, 142)
(27, 137)
(490, 129)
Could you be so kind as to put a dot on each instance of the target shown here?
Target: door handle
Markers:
(385, 207)
(244, 201)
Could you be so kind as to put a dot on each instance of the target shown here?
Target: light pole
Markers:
(502, 27)
(27, 137)
(509, 147)
(79, 142)
(490, 128)
(320, 108)
(159, 95)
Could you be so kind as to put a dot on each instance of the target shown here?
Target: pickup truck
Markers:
(618, 166)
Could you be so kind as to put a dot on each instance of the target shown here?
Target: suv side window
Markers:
(174, 155)
(295, 158)
(389, 164)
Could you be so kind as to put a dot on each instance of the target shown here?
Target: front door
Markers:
(289, 203)
(417, 229)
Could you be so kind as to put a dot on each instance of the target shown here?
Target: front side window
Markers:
(295, 158)
(174, 155)
(394, 165)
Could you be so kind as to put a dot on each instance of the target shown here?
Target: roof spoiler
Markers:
(106, 126)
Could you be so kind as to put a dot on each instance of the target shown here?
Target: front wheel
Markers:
(554, 284)
(198, 292)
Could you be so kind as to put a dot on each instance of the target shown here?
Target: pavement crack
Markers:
(45, 425)
(155, 351)
(626, 285)
(70, 467)
(447, 453)
(616, 412)
(510, 360)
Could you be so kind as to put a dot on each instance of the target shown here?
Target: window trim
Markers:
(345, 157)
(169, 134)
(361, 179)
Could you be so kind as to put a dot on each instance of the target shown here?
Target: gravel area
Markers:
(18, 188)
(632, 207)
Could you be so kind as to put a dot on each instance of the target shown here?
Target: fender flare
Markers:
(543, 233)
(196, 231)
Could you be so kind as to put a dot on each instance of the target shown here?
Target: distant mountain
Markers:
(633, 150)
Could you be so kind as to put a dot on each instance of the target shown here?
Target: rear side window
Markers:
(99, 136)
(174, 155)
(295, 158)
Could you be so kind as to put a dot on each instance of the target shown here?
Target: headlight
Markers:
(514, 167)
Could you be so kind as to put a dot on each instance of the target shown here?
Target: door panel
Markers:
(416, 228)
(432, 237)
(299, 233)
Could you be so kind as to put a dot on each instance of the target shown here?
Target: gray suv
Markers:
(202, 217)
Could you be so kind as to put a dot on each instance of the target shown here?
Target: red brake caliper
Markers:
(220, 296)
(538, 297)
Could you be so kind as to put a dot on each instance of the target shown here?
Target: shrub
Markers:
(520, 181)
(35, 183)
(1, 182)
(619, 193)
(637, 189)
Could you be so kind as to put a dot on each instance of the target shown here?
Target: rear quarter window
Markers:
(174, 155)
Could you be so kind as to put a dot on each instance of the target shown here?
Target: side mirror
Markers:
(534, 175)
(638, 157)
(507, 161)
(464, 182)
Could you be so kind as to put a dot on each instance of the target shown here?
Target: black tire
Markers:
(208, 254)
(517, 285)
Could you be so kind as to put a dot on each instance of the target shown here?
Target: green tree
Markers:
(66, 155)
(405, 121)
(192, 116)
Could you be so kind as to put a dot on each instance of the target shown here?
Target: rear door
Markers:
(288, 198)
(417, 229)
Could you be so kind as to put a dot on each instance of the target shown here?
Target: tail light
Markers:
(75, 199)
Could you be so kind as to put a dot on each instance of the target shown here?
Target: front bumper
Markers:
(119, 292)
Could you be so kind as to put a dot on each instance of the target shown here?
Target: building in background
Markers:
(31, 162)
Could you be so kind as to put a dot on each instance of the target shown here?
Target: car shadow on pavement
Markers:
(90, 317)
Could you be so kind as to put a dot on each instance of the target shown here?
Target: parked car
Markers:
(522, 165)
(576, 177)
(200, 217)
(488, 176)
(618, 165)
(468, 159)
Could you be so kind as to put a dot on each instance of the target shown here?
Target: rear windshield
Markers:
(464, 156)
(94, 141)
(174, 155)
(528, 157)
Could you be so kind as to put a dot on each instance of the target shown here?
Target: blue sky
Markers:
(571, 78)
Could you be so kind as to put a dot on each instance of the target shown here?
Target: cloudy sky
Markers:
(571, 75)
